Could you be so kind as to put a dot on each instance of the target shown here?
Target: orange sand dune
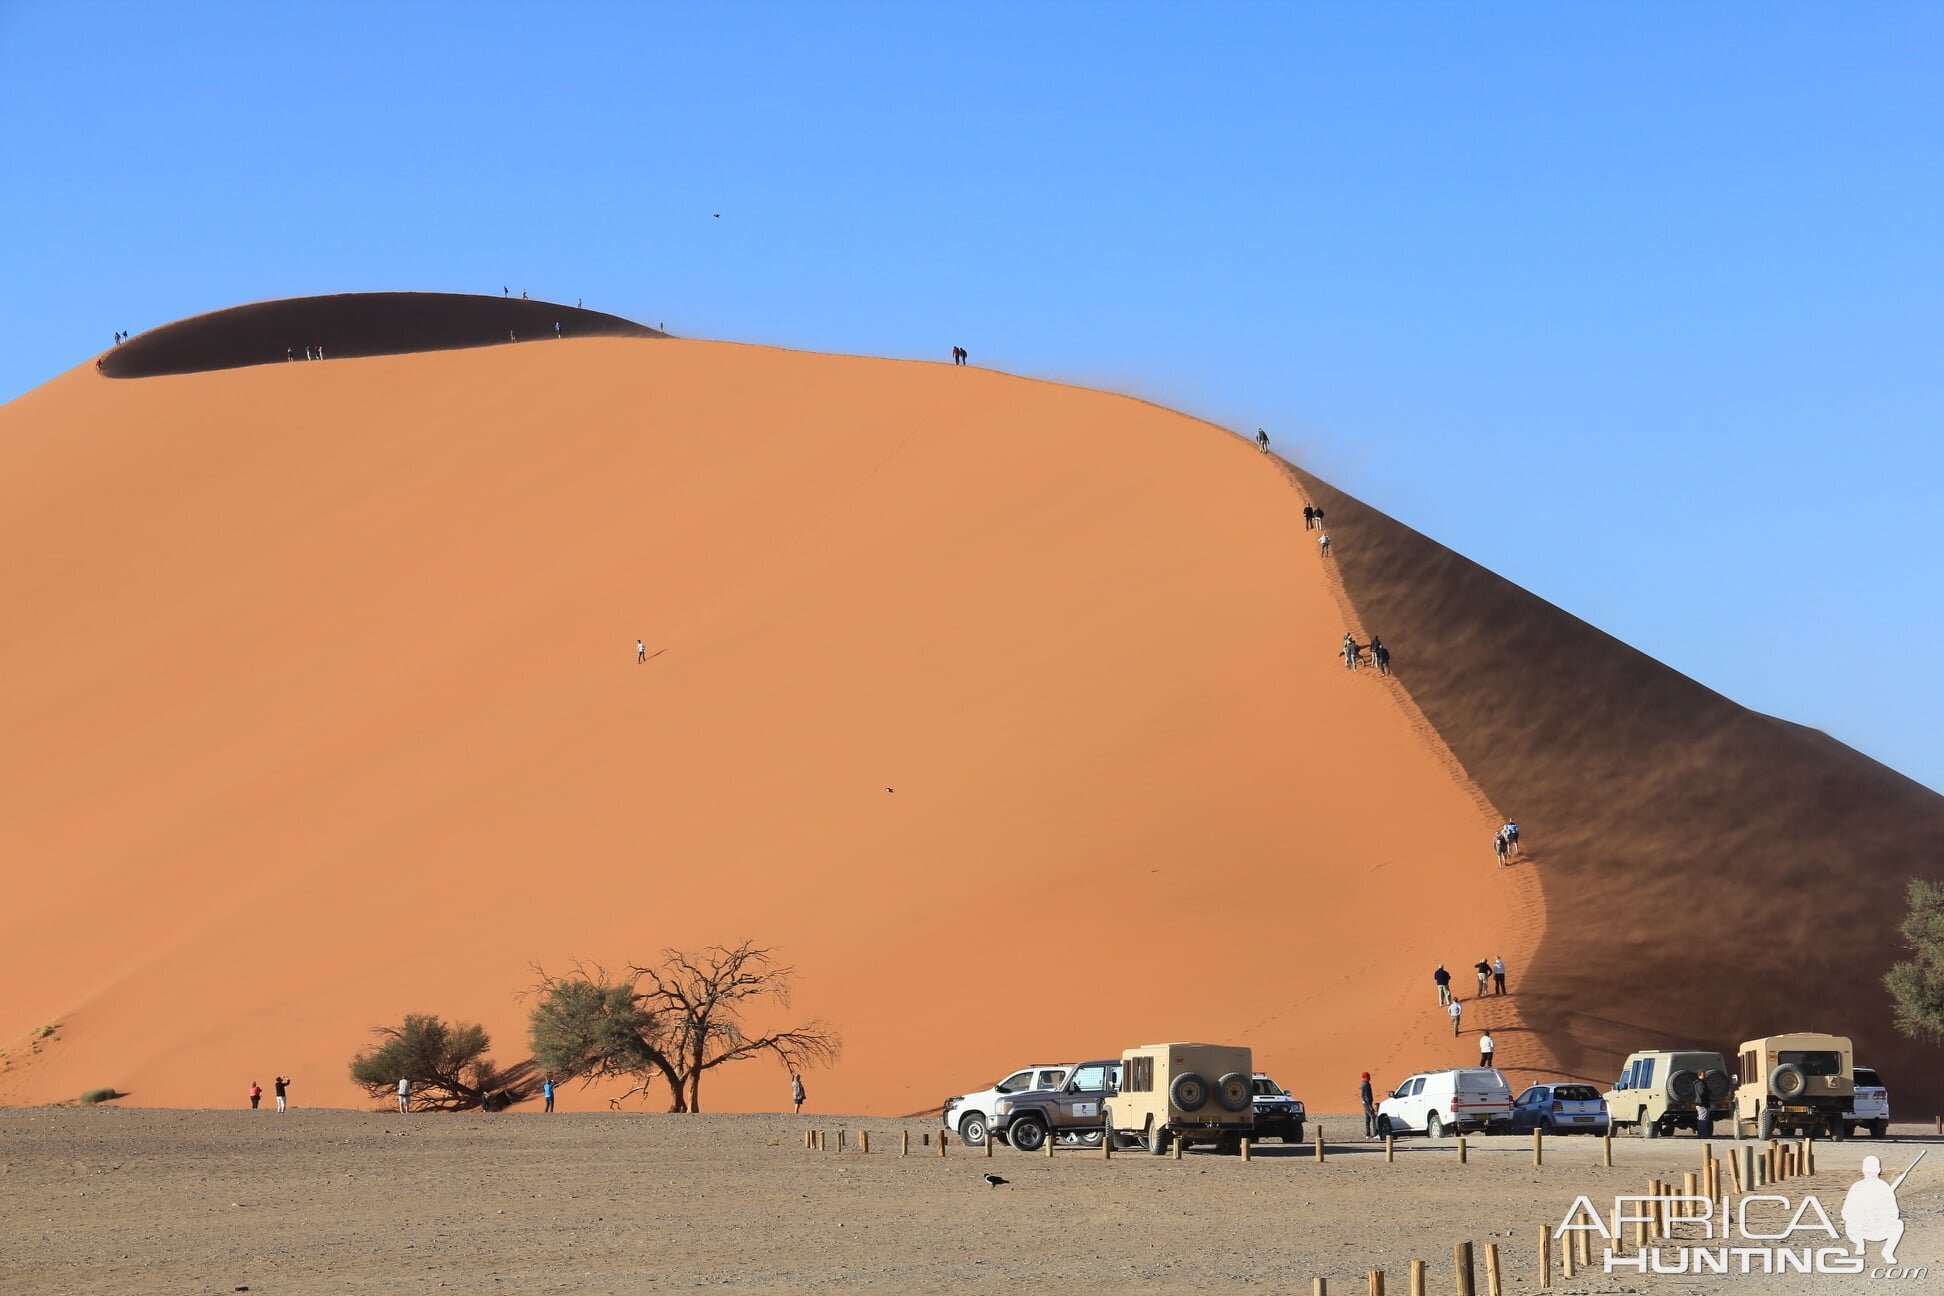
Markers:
(1009, 712)
(1709, 874)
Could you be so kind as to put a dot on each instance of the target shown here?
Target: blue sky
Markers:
(1638, 305)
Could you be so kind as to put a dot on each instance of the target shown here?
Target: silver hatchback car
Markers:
(1561, 1109)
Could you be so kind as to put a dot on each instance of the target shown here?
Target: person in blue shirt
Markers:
(546, 1091)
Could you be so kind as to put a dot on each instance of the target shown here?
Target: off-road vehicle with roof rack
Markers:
(1796, 1084)
(1660, 1090)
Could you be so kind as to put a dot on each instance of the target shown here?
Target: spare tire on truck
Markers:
(1788, 1081)
(1188, 1092)
(1234, 1092)
(1682, 1085)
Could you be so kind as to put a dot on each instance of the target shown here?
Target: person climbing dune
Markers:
(1262, 440)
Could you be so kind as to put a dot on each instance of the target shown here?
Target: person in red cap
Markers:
(1369, 1106)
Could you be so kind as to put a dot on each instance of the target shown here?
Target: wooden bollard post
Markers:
(1390, 1148)
(1619, 1242)
(1606, 1149)
(864, 1141)
(1320, 1154)
(987, 1142)
(1461, 1264)
(1494, 1284)
(1319, 1287)
(1048, 1145)
(1417, 1278)
(1374, 1282)
(840, 1140)
(1809, 1156)
(1940, 1124)
(941, 1142)
(1689, 1188)
(904, 1142)
(1245, 1157)
(809, 1140)
(1106, 1145)
(1461, 1149)
(1654, 1207)
(1545, 1257)
(1566, 1264)
(1538, 1148)
(1583, 1243)
(1175, 1149)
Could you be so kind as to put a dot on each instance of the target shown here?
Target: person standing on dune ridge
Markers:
(796, 1093)
(283, 1086)
(1262, 441)
(256, 1095)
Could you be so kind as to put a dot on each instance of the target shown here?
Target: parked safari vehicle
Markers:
(1436, 1102)
(1795, 1084)
(1871, 1108)
(967, 1114)
(1277, 1115)
(1190, 1093)
(1659, 1090)
(1072, 1112)
(1560, 1109)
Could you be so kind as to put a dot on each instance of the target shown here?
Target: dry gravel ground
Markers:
(106, 1201)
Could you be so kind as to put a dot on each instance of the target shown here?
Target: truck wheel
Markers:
(1231, 1145)
(1879, 1128)
(1383, 1127)
(1765, 1125)
(1157, 1144)
(1188, 1092)
(1788, 1082)
(973, 1130)
(1091, 1138)
(1294, 1134)
(1232, 1091)
(1649, 1128)
(1433, 1127)
(1027, 1133)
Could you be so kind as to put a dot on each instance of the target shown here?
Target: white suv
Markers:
(1871, 1108)
(966, 1114)
(1467, 1098)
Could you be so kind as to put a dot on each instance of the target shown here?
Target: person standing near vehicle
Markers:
(1703, 1108)
(1369, 1106)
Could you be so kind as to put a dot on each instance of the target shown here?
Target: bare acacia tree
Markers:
(676, 1020)
(701, 998)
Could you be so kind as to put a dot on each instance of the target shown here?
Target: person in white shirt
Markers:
(1456, 1010)
(641, 651)
(1498, 974)
(404, 1093)
(1485, 1049)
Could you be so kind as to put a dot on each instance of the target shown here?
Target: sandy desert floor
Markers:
(106, 1201)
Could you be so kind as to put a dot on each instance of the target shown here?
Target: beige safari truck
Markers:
(1661, 1090)
(1189, 1093)
(1795, 1084)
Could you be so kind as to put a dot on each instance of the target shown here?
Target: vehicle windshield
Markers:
(1814, 1062)
(1267, 1088)
(1015, 1082)
(1575, 1093)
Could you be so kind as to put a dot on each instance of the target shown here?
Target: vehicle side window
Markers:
(1646, 1080)
(1815, 1063)
(1089, 1079)
(1015, 1082)
(1052, 1079)
(1417, 1086)
(1528, 1097)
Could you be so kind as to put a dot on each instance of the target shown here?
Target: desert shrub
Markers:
(1916, 985)
(94, 1096)
(446, 1063)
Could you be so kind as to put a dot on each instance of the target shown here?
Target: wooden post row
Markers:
(1494, 1285)
(1545, 1257)
(1461, 1265)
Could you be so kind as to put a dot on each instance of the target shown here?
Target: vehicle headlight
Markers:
(1002, 1107)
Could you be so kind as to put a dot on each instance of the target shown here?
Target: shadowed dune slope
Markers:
(1009, 712)
(1710, 874)
(346, 325)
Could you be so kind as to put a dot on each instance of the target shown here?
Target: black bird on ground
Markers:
(993, 1180)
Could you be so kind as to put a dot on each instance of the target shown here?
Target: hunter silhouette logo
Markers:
(1870, 1212)
(1760, 1232)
